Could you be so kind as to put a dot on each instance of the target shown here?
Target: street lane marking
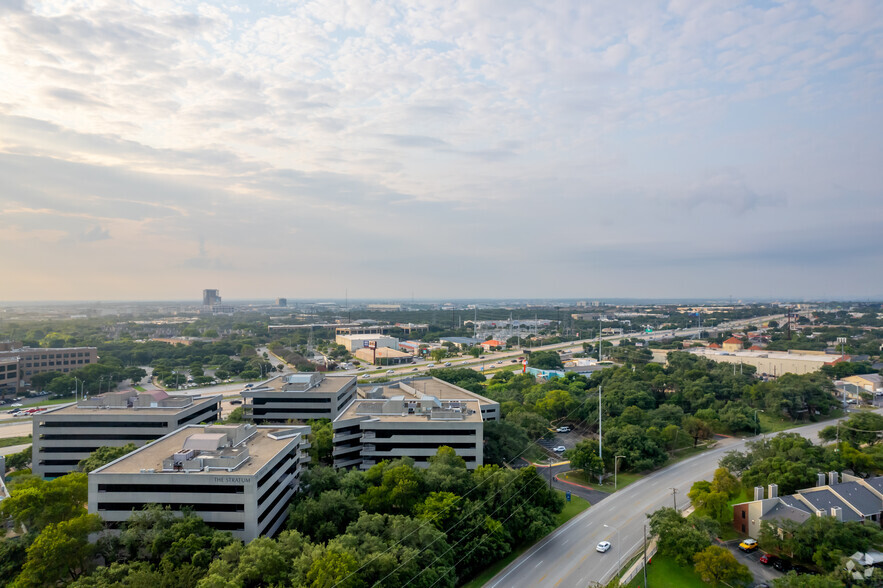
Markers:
(538, 564)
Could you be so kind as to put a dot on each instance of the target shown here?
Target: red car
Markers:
(768, 559)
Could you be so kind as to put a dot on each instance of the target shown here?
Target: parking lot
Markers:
(760, 572)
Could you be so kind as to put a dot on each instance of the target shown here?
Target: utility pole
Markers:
(600, 438)
(645, 555)
(599, 338)
(674, 497)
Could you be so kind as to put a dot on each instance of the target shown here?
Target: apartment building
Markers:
(237, 478)
(412, 418)
(848, 499)
(299, 397)
(65, 435)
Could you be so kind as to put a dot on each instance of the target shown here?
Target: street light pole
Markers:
(600, 439)
(616, 469)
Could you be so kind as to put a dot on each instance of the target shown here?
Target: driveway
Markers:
(760, 572)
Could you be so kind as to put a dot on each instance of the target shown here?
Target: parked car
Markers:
(603, 546)
(800, 570)
(748, 545)
(782, 565)
(235, 402)
(564, 429)
(560, 449)
(768, 559)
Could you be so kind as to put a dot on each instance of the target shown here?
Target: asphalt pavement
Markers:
(567, 557)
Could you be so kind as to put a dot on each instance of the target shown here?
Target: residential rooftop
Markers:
(209, 450)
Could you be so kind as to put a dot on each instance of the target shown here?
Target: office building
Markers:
(365, 341)
(300, 397)
(412, 418)
(9, 377)
(63, 436)
(34, 360)
(237, 478)
(383, 356)
(211, 297)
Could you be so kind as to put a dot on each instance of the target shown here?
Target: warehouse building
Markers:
(364, 341)
(237, 478)
(412, 418)
(64, 436)
(301, 397)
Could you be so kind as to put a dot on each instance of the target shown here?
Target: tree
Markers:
(717, 565)
(20, 460)
(439, 354)
(321, 440)
(679, 537)
(545, 360)
(697, 429)
(503, 442)
(325, 517)
(103, 456)
(36, 503)
(584, 456)
(62, 551)
(726, 483)
(792, 580)
(861, 428)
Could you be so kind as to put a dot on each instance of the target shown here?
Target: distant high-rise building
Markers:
(282, 302)
(211, 297)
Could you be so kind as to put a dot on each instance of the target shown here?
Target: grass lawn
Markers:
(10, 441)
(571, 509)
(664, 572)
(685, 453)
(623, 479)
(139, 388)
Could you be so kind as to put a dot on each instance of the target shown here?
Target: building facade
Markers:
(355, 342)
(412, 418)
(64, 436)
(237, 478)
(299, 397)
(34, 360)
(9, 377)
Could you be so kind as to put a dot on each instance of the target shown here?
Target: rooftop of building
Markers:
(747, 353)
(382, 352)
(875, 378)
(124, 402)
(824, 499)
(303, 382)
(362, 336)
(414, 399)
(209, 450)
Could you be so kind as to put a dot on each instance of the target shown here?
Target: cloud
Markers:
(96, 233)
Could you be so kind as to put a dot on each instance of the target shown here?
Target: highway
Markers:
(567, 557)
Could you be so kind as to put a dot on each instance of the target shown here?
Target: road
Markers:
(567, 558)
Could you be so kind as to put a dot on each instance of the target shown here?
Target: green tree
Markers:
(20, 460)
(679, 537)
(324, 517)
(103, 456)
(545, 360)
(717, 565)
(584, 456)
(726, 483)
(792, 580)
(321, 440)
(503, 442)
(61, 552)
(36, 503)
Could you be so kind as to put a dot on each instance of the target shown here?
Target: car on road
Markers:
(564, 429)
(603, 546)
(768, 559)
(448, 364)
(249, 385)
(235, 402)
(430, 365)
(390, 371)
(413, 369)
(559, 449)
(748, 545)
(365, 376)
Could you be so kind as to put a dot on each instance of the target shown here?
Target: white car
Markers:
(564, 429)
(560, 449)
(603, 546)
(390, 371)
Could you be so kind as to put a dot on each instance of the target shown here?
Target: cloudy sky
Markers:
(437, 149)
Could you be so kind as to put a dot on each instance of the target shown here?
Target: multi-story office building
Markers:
(211, 297)
(34, 360)
(237, 478)
(412, 418)
(299, 397)
(364, 341)
(63, 436)
(9, 377)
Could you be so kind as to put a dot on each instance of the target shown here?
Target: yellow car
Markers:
(748, 545)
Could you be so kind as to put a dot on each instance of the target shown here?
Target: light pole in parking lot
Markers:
(615, 470)
(618, 548)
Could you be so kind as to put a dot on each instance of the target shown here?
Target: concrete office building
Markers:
(773, 363)
(9, 377)
(35, 360)
(412, 418)
(63, 436)
(354, 342)
(383, 356)
(300, 397)
(237, 478)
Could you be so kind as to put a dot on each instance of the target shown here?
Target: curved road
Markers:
(567, 557)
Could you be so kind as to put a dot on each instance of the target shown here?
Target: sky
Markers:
(433, 149)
